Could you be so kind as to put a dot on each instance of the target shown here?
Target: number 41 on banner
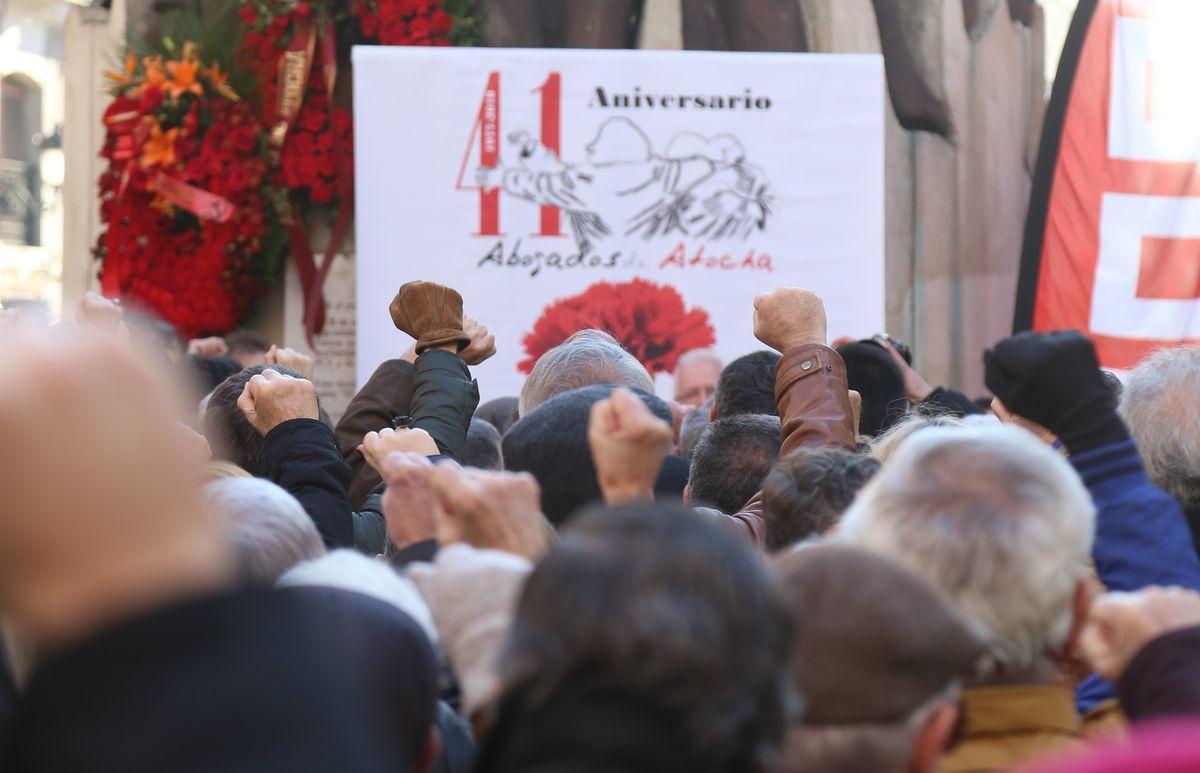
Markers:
(487, 130)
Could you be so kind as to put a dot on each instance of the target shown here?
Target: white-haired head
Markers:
(889, 441)
(352, 571)
(696, 375)
(995, 519)
(1159, 404)
(265, 524)
(589, 357)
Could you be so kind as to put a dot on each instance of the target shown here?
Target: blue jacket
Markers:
(1142, 536)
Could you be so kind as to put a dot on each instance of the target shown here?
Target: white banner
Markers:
(650, 193)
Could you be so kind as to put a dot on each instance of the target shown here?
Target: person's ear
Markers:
(933, 739)
(428, 757)
(1081, 604)
(687, 496)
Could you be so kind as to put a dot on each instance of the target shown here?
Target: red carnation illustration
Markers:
(649, 320)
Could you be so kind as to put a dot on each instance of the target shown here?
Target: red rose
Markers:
(311, 118)
(236, 178)
(151, 98)
(419, 27)
(309, 167)
(303, 11)
(242, 139)
(368, 23)
(441, 23)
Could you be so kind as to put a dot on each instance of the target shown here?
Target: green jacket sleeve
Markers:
(444, 399)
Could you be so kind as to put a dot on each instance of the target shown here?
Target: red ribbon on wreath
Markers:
(201, 203)
(295, 65)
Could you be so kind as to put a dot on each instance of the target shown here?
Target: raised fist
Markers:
(482, 344)
(789, 317)
(1051, 379)
(1121, 624)
(281, 355)
(213, 346)
(99, 312)
(431, 313)
(492, 510)
(377, 445)
(628, 445)
(410, 506)
(100, 483)
(271, 398)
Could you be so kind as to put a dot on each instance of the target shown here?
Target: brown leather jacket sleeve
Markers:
(812, 394)
(386, 394)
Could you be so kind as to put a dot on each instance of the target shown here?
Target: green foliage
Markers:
(217, 31)
(468, 21)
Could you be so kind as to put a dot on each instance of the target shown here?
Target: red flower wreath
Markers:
(183, 197)
(649, 320)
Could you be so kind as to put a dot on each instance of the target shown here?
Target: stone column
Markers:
(93, 36)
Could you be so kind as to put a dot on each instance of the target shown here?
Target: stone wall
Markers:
(966, 83)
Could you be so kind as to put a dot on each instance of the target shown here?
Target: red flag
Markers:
(1112, 239)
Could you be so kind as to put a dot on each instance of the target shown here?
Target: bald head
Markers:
(696, 376)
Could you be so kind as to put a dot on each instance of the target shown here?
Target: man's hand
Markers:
(96, 311)
(291, 358)
(1054, 380)
(482, 345)
(856, 410)
(410, 506)
(915, 387)
(493, 510)
(1008, 417)
(109, 526)
(377, 445)
(1121, 624)
(271, 398)
(213, 346)
(628, 445)
(789, 317)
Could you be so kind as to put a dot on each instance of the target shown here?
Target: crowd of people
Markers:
(807, 559)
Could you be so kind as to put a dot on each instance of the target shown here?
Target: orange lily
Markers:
(220, 82)
(159, 148)
(154, 72)
(183, 78)
(125, 77)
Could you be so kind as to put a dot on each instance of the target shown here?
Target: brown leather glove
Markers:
(431, 313)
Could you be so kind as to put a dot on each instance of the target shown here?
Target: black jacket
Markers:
(1163, 679)
(251, 681)
(302, 457)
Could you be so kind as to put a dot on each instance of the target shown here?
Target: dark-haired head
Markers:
(482, 449)
(248, 347)
(807, 491)
(204, 373)
(551, 443)
(626, 644)
(747, 385)
(229, 433)
(501, 413)
(730, 460)
(873, 373)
